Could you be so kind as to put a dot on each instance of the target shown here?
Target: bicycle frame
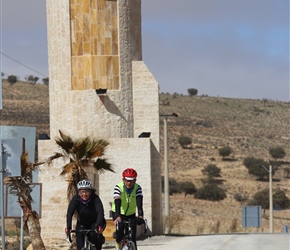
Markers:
(127, 240)
(87, 244)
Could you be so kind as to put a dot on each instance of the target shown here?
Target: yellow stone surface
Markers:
(94, 44)
(110, 229)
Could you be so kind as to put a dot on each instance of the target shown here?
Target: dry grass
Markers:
(249, 127)
(25, 104)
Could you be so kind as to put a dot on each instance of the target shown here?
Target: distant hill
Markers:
(25, 104)
(250, 127)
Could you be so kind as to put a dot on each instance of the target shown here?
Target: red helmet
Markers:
(129, 174)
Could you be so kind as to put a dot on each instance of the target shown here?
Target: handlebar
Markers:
(85, 231)
(132, 222)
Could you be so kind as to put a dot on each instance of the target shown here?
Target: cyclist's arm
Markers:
(118, 210)
(100, 211)
(70, 212)
(139, 201)
(118, 206)
(118, 202)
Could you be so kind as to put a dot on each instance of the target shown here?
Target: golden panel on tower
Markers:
(94, 44)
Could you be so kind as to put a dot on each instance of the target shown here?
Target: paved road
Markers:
(216, 242)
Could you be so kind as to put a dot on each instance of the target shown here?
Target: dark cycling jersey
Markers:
(88, 212)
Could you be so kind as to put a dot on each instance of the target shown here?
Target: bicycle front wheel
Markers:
(129, 246)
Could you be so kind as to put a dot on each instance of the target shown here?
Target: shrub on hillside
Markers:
(261, 198)
(192, 91)
(225, 151)
(45, 81)
(174, 187)
(241, 197)
(280, 200)
(184, 141)
(257, 167)
(277, 152)
(210, 192)
(12, 79)
(211, 171)
(187, 187)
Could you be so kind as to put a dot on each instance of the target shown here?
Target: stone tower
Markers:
(96, 44)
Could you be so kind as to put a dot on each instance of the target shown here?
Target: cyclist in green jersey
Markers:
(127, 197)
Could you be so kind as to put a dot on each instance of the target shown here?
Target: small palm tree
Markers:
(21, 187)
(82, 154)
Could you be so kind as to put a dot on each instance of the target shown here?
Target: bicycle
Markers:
(87, 244)
(127, 240)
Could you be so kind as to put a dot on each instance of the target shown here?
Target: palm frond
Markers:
(65, 142)
(68, 168)
(53, 157)
(101, 165)
(81, 154)
(96, 148)
(80, 148)
(26, 166)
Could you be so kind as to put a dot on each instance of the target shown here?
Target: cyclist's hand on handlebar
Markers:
(139, 220)
(99, 230)
(67, 230)
(118, 219)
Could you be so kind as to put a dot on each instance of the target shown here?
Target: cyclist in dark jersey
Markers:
(90, 215)
(127, 196)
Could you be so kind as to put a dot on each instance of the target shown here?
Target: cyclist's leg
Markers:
(97, 239)
(79, 237)
(134, 232)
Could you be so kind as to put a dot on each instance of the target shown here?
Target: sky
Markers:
(225, 48)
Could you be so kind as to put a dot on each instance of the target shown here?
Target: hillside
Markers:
(25, 104)
(249, 127)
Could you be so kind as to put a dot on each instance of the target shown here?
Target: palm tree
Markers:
(21, 187)
(81, 154)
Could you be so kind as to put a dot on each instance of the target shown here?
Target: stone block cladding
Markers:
(94, 43)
